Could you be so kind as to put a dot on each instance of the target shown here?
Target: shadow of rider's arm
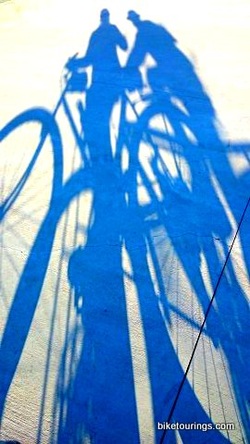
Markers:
(120, 39)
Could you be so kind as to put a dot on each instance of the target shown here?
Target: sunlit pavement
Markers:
(138, 353)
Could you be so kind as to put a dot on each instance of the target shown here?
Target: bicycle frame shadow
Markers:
(106, 370)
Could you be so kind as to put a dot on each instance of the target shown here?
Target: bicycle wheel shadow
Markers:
(201, 240)
(28, 290)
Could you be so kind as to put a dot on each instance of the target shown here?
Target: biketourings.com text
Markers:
(194, 426)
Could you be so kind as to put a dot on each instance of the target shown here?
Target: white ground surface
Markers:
(191, 246)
